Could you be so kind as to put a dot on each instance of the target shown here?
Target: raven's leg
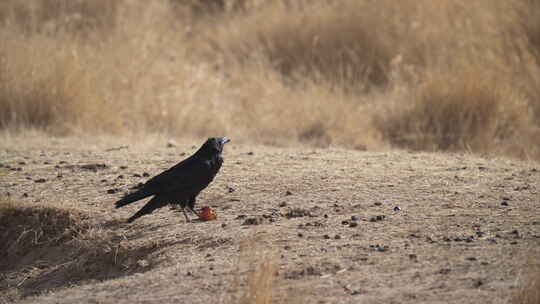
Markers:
(155, 203)
(185, 214)
(191, 205)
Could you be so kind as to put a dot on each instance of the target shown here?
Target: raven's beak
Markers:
(225, 140)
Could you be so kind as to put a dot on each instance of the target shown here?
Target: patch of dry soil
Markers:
(343, 226)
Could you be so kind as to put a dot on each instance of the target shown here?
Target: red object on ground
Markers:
(207, 214)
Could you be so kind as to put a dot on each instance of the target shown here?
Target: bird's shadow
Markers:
(198, 220)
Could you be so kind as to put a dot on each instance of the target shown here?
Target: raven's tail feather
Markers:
(132, 197)
(133, 218)
(153, 204)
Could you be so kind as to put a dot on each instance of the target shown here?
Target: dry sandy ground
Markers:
(465, 227)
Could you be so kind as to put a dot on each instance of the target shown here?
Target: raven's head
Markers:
(214, 145)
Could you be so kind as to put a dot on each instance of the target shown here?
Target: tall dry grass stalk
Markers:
(256, 274)
(429, 75)
(529, 289)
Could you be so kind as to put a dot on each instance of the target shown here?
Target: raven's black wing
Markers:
(190, 176)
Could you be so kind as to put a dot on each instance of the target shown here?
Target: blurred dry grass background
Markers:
(449, 75)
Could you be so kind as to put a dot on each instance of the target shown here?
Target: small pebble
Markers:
(478, 283)
(377, 218)
(253, 221)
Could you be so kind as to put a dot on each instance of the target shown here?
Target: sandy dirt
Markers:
(427, 228)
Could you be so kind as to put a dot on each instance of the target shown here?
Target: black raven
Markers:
(180, 184)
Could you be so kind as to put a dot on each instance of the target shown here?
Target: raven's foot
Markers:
(185, 214)
(193, 211)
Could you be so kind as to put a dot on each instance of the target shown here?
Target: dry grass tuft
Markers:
(529, 11)
(329, 44)
(25, 228)
(529, 291)
(78, 17)
(260, 283)
(257, 280)
(44, 248)
(57, 94)
(260, 270)
(201, 8)
(462, 111)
